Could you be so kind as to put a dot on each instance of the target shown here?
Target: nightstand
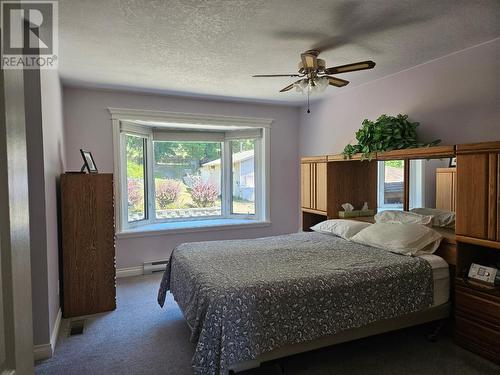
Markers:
(477, 320)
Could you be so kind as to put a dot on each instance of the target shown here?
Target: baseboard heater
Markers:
(152, 267)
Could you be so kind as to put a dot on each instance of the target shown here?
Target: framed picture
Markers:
(89, 162)
(453, 162)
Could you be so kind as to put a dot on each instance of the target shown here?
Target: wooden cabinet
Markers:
(88, 247)
(477, 321)
(477, 315)
(313, 185)
(326, 185)
(306, 185)
(320, 180)
(478, 193)
(446, 186)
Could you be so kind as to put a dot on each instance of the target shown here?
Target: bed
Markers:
(249, 301)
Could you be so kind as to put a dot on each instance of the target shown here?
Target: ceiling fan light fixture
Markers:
(321, 84)
(312, 85)
(301, 86)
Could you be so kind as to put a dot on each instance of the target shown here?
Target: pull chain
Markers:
(308, 111)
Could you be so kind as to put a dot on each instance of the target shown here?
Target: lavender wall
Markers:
(455, 98)
(88, 125)
(36, 187)
(45, 163)
(53, 157)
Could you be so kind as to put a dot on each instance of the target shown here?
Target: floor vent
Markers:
(76, 327)
(151, 267)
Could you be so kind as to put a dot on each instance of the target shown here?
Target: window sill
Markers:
(178, 227)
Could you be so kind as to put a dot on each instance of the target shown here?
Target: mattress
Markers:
(441, 278)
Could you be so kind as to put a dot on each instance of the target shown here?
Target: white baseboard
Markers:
(55, 331)
(45, 351)
(129, 271)
(42, 351)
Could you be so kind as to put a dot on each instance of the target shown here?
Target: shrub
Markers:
(167, 192)
(135, 193)
(204, 194)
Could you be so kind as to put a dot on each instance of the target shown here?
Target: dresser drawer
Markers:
(476, 304)
(478, 336)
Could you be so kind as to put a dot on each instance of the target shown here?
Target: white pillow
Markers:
(402, 217)
(441, 218)
(340, 227)
(407, 239)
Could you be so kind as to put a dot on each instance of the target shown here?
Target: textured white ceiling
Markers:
(213, 47)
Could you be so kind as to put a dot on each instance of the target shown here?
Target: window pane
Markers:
(394, 183)
(135, 178)
(187, 179)
(243, 176)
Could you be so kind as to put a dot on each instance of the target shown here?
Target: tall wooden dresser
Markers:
(88, 244)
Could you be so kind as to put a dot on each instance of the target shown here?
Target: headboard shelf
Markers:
(341, 157)
(478, 147)
(432, 152)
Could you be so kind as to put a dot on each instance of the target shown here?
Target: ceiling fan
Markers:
(315, 77)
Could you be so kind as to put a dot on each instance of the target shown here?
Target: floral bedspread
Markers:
(242, 298)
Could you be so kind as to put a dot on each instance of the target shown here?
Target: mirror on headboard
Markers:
(431, 184)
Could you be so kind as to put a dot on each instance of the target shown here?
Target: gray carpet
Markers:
(141, 338)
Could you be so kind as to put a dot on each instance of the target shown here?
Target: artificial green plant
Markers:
(385, 134)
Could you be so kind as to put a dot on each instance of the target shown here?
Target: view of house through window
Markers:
(243, 176)
(186, 185)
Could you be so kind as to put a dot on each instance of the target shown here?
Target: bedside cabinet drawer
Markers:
(478, 337)
(472, 302)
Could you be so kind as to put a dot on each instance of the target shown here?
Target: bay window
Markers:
(186, 173)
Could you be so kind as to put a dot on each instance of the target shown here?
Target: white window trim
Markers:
(417, 184)
(127, 118)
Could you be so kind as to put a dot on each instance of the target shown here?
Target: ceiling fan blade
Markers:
(309, 59)
(337, 82)
(362, 65)
(289, 87)
(277, 75)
